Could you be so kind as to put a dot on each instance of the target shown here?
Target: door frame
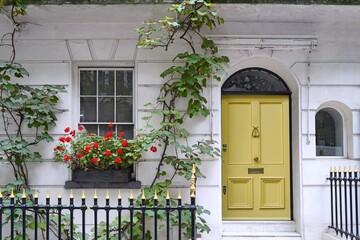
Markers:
(288, 93)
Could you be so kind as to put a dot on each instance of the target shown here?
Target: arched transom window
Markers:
(254, 81)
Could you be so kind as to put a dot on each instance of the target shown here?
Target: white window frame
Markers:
(74, 88)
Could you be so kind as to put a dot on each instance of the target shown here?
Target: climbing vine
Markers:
(26, 115)
(186, 79)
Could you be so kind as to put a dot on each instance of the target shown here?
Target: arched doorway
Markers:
(256, 146)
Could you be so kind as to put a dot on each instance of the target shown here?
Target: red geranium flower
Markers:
(153, 149)
(121, 134)
(62, 139)
(107, 153)
(81, 127)
(94, 160)
(87, 149)
(59, 148)
(72, 133)
(67, 130)
(96, 145)
(117, 160)
(120, 151)
(79, 155)
(110, 125)
(68, 139)
(124, 143)
(66, 157)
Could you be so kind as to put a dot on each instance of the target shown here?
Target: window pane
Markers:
(124, 83)
(124, 109)
(87, 82)
(91, 128)
(106, 109)
(106, 83)
(329, 136)
(127, 129)
(88, 109)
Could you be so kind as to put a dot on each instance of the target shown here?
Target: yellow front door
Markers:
(255, 157)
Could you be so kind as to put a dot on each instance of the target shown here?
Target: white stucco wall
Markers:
(57, 39)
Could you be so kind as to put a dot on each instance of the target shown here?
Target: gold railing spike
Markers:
(1, 196)
(143, 194)
(167, 194)
(12, 193)
(350, 170)
(179, 195)
(339, 170)
(71, 194)
(83, 195)
(192, 182)
(36, 194)
(95, 194)
(345, 169)
(155, 195)
(59, 195)
(131, 194)
(47, 194)
(119, 195)
(107, 194)
(23, 193)
(355, 169)
(331, 169)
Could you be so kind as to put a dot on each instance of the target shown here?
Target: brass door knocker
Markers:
(255, 132)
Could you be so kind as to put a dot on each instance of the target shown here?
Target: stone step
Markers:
(261, 236)
(258, 226)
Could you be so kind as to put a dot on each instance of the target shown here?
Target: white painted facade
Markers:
(315, 49)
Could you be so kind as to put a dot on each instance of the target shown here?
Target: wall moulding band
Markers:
(270, 42)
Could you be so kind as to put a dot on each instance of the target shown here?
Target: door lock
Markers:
(224, 147)
(224, 190)
(256, 159)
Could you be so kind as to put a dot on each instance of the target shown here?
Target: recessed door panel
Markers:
(239, 133)
(240, 193)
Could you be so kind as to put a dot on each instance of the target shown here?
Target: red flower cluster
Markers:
(81, 150)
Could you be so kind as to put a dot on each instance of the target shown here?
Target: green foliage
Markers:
(21, 105)
(187, 79)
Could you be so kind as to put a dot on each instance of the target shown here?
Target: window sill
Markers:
(102, 185)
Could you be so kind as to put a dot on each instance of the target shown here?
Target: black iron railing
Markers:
(344, 195)
(170, 214)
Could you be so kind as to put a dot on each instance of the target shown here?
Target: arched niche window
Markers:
(329, 133)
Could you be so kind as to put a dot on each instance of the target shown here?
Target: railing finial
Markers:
(155, 195)
(107, 194)
(71, 194)
(83, 195)
(1, 196)
(143, 194)
(119, 195)
(47, 194)
(36, 194)
(179, 195)
(167, 194)
(131, 194)
(12, 193)
(59, 195)
(95, 194)
(192, 182)
(23, 193)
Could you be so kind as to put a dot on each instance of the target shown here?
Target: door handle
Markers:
(256, 159)
(255, 133)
